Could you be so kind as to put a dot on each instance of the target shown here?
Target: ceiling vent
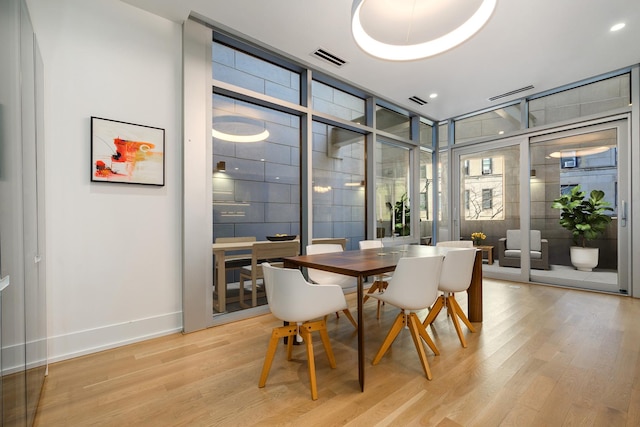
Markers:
(329, 57)
(418, 100)
(513, 92)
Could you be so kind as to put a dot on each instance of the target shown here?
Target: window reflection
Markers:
(393, 209)
(338, 187)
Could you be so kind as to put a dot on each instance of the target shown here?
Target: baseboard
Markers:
(68, 346)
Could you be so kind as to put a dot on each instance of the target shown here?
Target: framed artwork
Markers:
(126, 153)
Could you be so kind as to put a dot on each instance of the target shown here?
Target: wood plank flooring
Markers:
(543, 356)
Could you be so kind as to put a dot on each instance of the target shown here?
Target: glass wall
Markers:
(585, 100)
(492, 123)
(585, 162)
(427, 187)
(490, 193)
(392, 122)
(338, 186)
(329, 100)
(393, 190)
(249, 72)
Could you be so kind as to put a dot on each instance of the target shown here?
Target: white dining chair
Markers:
(456, 244)
(321, 277)
(379, 281)
(413, 287)
(456, 277)
(297, 302)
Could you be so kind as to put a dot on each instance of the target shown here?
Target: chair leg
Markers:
(391, 336)
(306, 336)
(277, 333)
(372, 289)
(425, 336)
(456, 312)
(241, 293)
(415, 334)
(435, 310)
(305, 330)
(350, 317)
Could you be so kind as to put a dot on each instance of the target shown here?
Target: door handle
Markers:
(623, 213)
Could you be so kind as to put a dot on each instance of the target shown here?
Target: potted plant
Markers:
(401, 216)
(586, 218)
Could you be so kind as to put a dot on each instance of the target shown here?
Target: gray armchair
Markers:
(509, 250)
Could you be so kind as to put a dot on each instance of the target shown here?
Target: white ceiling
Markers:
(544, 43)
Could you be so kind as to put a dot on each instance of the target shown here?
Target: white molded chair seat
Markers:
(456, 244)
(457, 270)
(322, 277)
(413, 287)
(294, 300)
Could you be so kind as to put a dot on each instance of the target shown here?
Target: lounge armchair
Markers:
(509, 250)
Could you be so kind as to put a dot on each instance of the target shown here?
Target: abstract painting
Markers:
(126, 153)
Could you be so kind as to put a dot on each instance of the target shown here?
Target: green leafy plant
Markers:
(586, 218)
(402, 206)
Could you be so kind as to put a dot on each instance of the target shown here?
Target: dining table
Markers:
(372, 262)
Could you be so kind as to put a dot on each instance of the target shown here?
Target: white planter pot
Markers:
(584, 259)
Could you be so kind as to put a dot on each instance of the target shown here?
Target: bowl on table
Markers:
(281, 237)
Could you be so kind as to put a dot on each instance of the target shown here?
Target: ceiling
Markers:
(542, 43)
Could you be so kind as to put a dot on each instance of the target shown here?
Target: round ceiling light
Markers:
(238, 129)
(407, 52)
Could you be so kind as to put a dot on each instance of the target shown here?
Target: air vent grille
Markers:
(329, 57)
(418, 100)
(513, 92)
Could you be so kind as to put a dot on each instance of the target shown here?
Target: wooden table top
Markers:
(367, 262)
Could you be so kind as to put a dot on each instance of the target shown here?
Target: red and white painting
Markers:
(126, 152)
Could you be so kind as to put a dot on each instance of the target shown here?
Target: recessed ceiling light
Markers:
(501, 132)
(617, 27)
(433, 95)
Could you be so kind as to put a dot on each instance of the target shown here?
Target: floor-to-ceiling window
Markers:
(393, 189)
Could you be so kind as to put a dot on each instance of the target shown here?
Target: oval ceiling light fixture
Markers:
(238, 129)
(408, 52)
(617, 27)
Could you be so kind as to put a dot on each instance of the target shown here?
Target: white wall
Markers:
(113, 250)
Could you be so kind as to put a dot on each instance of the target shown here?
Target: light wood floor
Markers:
(543, 356)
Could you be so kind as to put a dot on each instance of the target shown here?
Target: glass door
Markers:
(575, 165)
(488, 201)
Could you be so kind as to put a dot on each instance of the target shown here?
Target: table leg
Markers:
(474, 293)
(360, 335)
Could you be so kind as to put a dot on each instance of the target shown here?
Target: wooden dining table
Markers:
(376, 261)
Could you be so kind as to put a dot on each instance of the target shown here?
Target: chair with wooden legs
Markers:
(457, 269)
(413, 287)
(321, 277)
(297, 302)
(260, 252)
(380, 281)
(456, 244)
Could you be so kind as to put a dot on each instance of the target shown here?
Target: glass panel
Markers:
(392, 122)
(598, 97)
(558, 167)
(443, 135)
(426, 196)
(496, 122)
(256, 185)
(443, 196)
(246, 71)
(489, 197)
(338, 184)
(426, 135)
(392, 190)
(329, 100)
